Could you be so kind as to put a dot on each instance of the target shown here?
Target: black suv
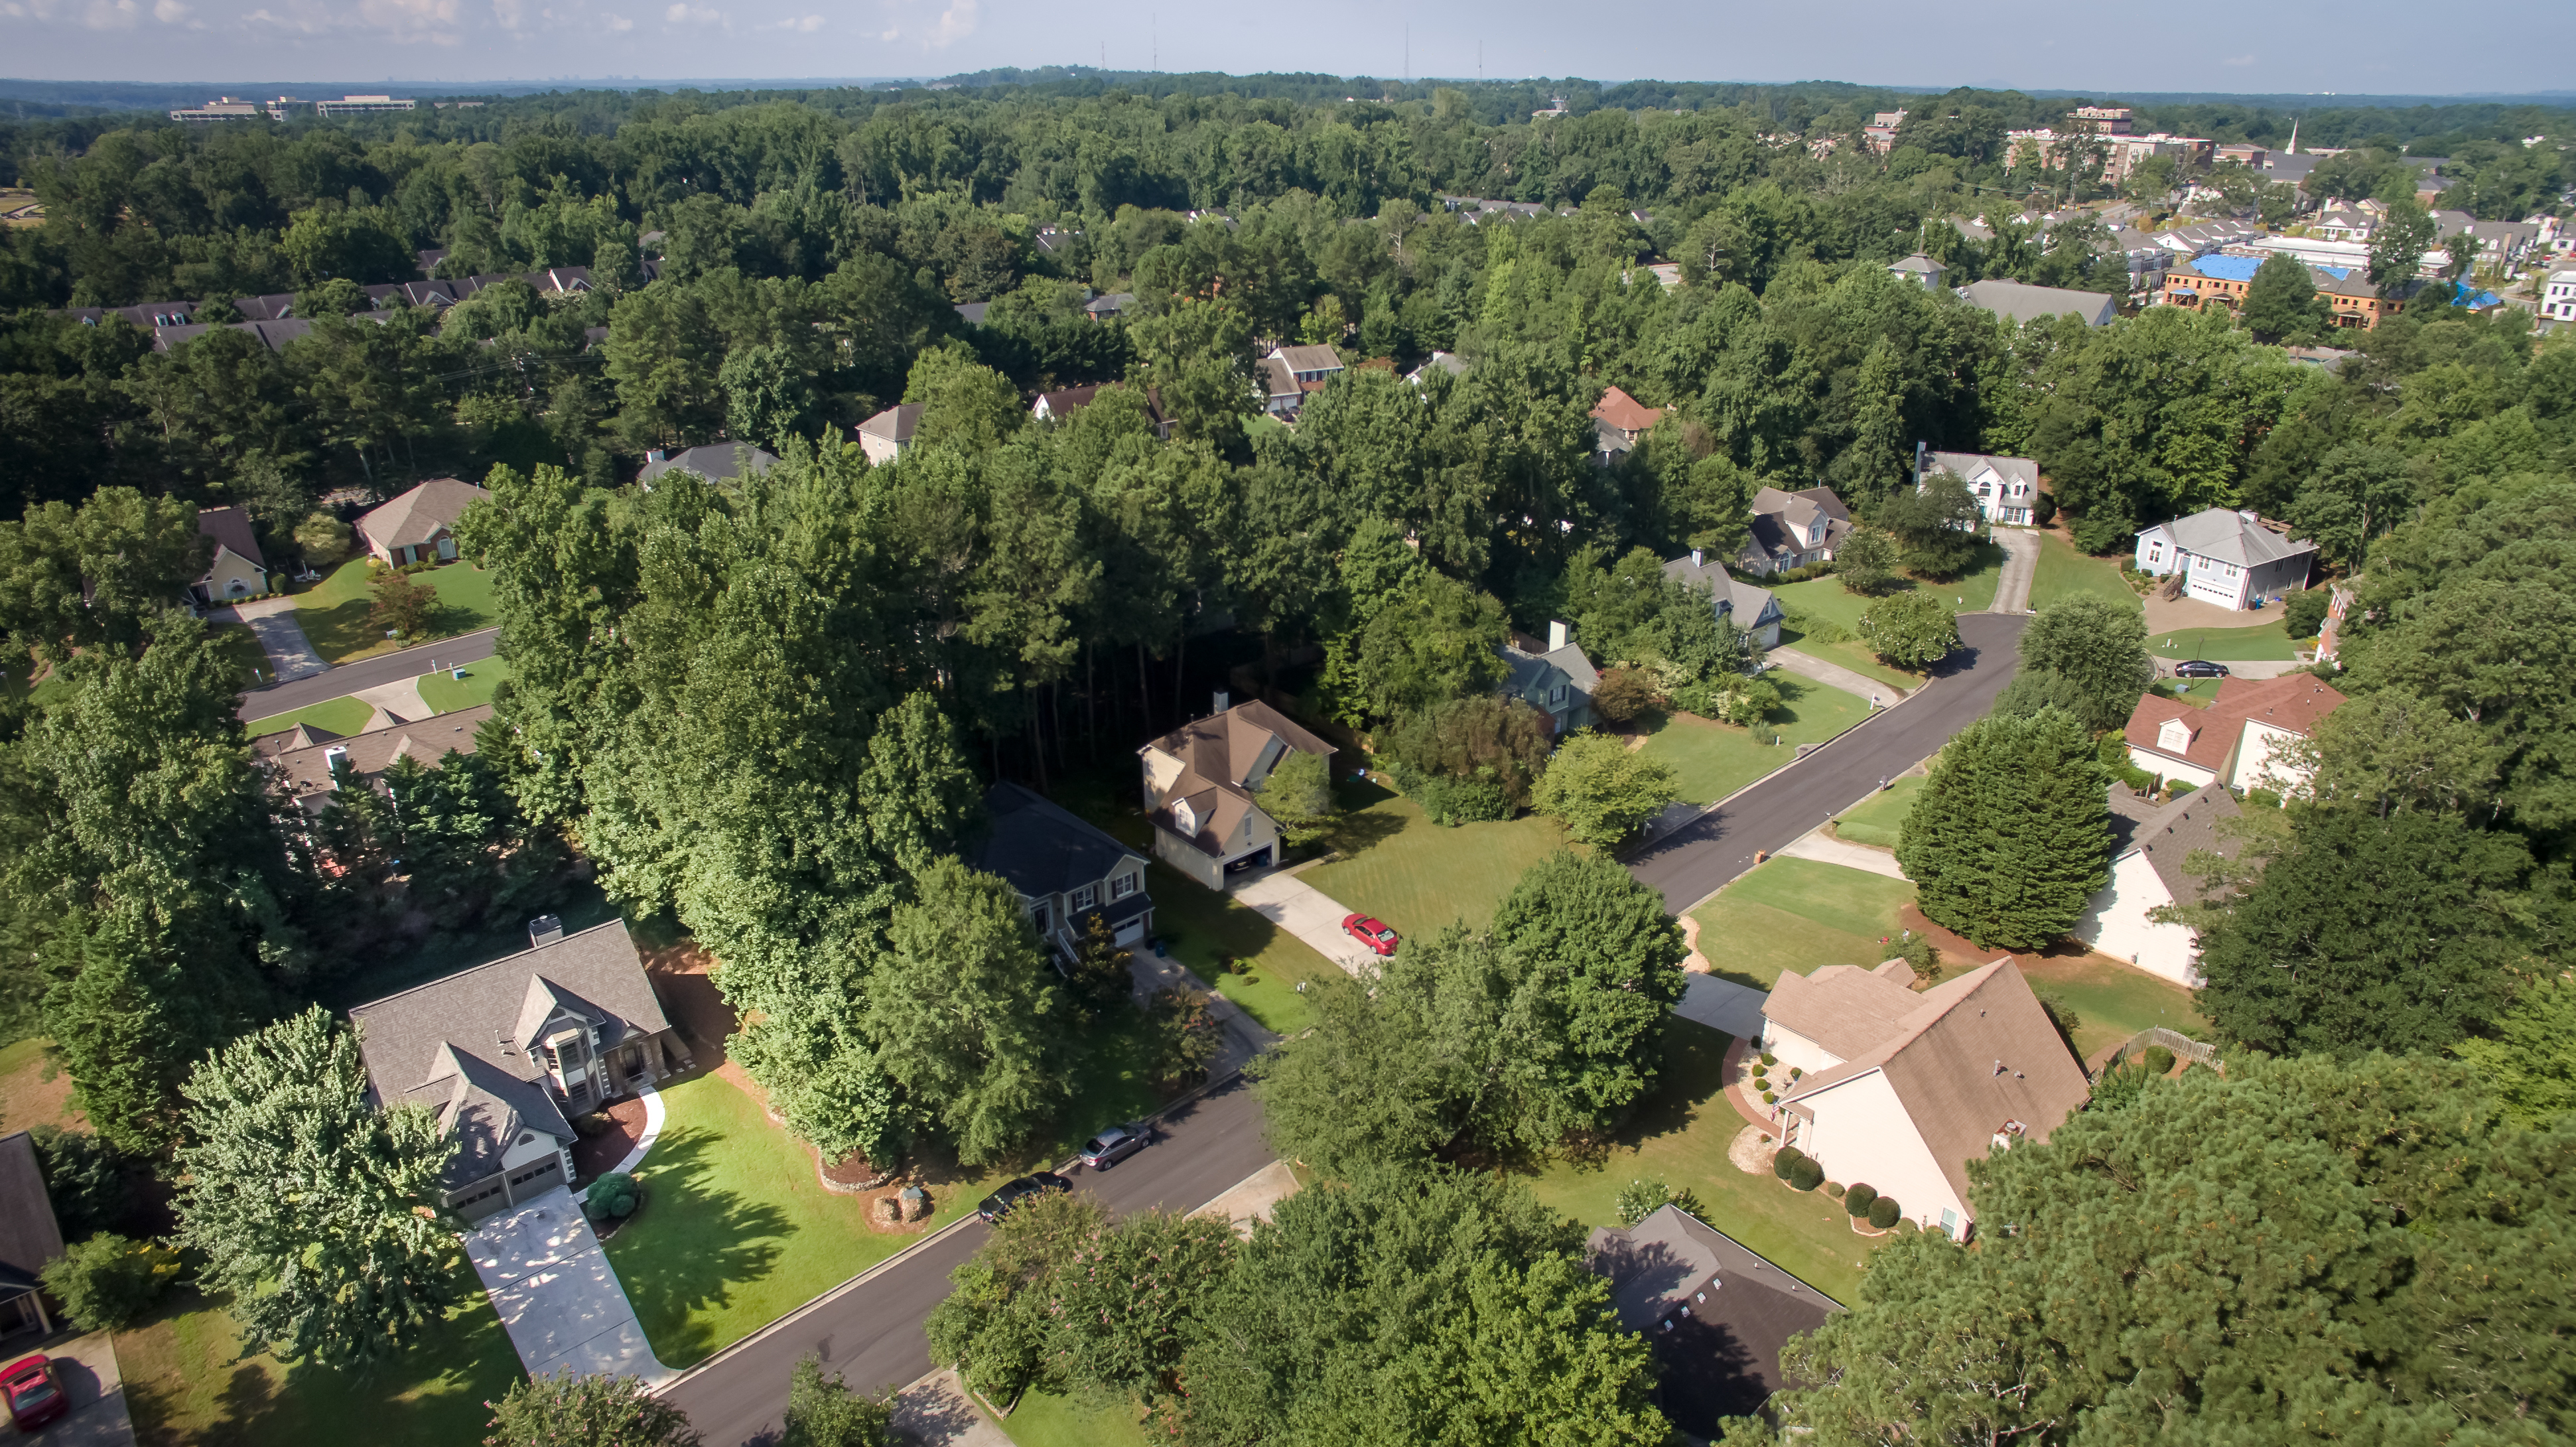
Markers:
(997, 1205)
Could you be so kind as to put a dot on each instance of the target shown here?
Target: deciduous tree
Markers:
(1603, 790)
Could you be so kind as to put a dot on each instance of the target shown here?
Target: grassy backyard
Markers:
(737, 1230)
(1792, 915)
(2111, 1001)
(1418, 876)
(2063, 571)
(188, 1384)
(333, 612)
(1715, 759)
(446, 693)
(1044, 1420)
(2229, 645)
(1681, 1134)
(1877, 821)
(342, 715)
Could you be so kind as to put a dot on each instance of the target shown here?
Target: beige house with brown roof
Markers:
(505, 1054)
(1201, 783)
(235, 568)
(2147, 874)
(2247, 738)
(1901, 1090)
(300, 762)
(420, 525)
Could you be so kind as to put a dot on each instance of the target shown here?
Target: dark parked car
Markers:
(2200, 668)
(1116, 1144)
(999, 1204)
(1371, 933)
(35, 1397)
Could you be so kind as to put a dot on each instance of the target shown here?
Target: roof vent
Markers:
(1999, 1067)
(545, 929)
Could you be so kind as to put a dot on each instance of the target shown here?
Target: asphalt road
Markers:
(348, 678)
(870, 1330)
(1692, 863)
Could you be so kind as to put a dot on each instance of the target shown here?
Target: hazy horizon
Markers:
(2015, 44)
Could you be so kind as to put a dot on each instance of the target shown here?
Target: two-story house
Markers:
(2006, 488)
(1065, 870)
(1755, 612)
(2230, 558)
(235, 567)
(505, 1054)
(1793, 530)
(1289, 374)
(1618, 421)
(2247, 738)
(1553, 677)
(888, 435)
(1202, 783)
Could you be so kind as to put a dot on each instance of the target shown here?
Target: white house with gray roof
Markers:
(2006, 488)
(2017, 302)
(1553, 677)
(1755, 612)
(505, 1054)
(2230, 558)
(1793, 530)
(1065, 870)
(2147, 874)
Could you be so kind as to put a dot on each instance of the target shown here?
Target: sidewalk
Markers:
(1309, 914)
(272, 621)
(2021, 564)
(1834, 675)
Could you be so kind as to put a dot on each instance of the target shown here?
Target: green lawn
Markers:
(342, 715)
(241, 649)
(1200, 926)
(1793, 915)
(1877, 821)
(2111, 1000)
(333, 612)
(445, 693)
(2229, 645)
(1418, 876)
(1715, 759)
(188, 1385)
(1851, 654)
(1681, 1133)
(2063, 571)
(737, 1230)
(1826, 598)
(1042, 1420)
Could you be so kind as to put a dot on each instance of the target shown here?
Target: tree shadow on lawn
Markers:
(696, 1239)
(1363, 824)
(1690, 1084)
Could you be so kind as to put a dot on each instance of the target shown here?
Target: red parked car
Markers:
(1369, 932)
(35, 1398)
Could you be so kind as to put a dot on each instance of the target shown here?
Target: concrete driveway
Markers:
(1833, 675)
(272, 621)
(2021, 564)
(86, 1367)
(1309, 914)
(557, 1295)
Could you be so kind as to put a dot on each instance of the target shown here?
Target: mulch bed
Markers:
(593, 1154)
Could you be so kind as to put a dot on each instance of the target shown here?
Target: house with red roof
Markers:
(2248, 737)
(1618, 420)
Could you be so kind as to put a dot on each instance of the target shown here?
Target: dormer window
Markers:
(2174, 736)
(1185, 818)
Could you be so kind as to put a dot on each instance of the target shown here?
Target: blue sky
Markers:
(2268, 46)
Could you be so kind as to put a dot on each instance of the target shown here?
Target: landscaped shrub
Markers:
(1768, 1059)
(1646, 1195)
(613, 1197)
(1786, 1160)
(108, 1282)
(2160, 1061)
(1453, 801)
(1770, 1097)
(1884, 1212)
(1806, 1175)
(2304, 612)
(1861, 1199)
(1795, 1072)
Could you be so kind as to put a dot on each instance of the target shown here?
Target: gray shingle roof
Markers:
(895, 424)
(1739, 600)
(715, 461)
(1730, 1312)
(2231, 537)
(2019, 303)
(1530, 666)
(2188, 823)
(1040, 848)
(29, 1235)
(461, 1045)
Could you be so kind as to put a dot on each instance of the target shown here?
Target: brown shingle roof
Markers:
(421, 514)
(1976, 1057)
(1216, 754)
(230, 528)
(2189, 823)
(1625, 412)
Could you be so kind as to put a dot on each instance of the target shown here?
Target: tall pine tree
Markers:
(2011, 834)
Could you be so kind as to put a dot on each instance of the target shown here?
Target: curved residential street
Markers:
(1695, 861)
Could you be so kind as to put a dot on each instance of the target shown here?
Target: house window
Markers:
(1555, 694)
(1123, 886)
(1084, 897)
(1949, 1223)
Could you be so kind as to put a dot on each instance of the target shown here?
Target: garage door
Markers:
(1132, 932)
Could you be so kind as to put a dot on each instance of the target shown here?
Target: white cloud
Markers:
(620, 23)
(169, 12)
(955, 24)
(685, 13)
(109, 15)
(2238, 60)
(807, 24)
(405, 21)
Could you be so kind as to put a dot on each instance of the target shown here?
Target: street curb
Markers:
(448, 642)
(833, 1294)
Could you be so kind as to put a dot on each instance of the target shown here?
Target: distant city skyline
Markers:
(2266, 49)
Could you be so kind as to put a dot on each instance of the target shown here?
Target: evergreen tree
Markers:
(317, 1212)
(2011, 834)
